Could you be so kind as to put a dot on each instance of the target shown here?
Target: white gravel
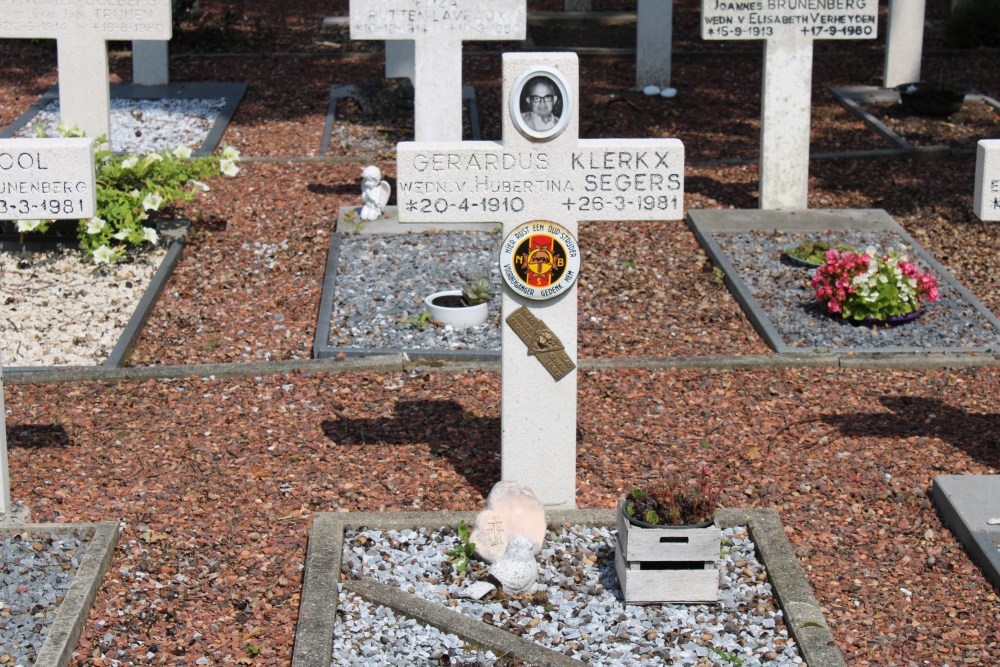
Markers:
(141, 126)
(56, 310)
(583, 615)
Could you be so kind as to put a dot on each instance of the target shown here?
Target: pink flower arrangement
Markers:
(868, 285)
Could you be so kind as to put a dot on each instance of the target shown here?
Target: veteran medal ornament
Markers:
(540, 260)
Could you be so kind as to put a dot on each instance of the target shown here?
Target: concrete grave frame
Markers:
(967, 504)
(231, 92)
(387, 224)
(852, 98)
(350, 91)
(60, 641)
(173, 232)
(318, 604)
(705, 223)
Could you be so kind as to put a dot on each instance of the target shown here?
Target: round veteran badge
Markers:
(540, 260)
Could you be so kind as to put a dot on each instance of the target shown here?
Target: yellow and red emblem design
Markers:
(540, 260)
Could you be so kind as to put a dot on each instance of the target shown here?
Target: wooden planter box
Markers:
(657, 565)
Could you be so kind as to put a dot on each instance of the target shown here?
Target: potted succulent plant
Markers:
(872, 288)
(811, 254)
(463, 308)
(928, 99)
(668, 543)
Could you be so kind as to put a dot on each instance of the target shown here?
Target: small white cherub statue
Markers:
(374, 193)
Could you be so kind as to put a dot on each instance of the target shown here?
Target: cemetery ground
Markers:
(221, 440)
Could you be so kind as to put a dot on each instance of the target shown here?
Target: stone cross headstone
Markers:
(82, 29)
(904, 42)
(654, 43)
(788, 28)
(437, 29)
(47, 179)
(539, 181)
(986, 203)
(400, 59)
(150, 62)
(41, 178)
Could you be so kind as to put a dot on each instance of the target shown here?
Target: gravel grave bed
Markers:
(35, 574)
(59, 310)
(139, 126)
(976, 120)
(789, 301)
(385, 312)
(578, 610)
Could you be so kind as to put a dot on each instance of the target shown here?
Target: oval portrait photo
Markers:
(539, 103)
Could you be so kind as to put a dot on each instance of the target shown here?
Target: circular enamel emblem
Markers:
(540, 260)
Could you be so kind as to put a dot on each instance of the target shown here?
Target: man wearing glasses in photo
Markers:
(542, 99)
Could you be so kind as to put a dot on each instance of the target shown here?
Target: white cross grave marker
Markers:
(538, 182)
(82, 29)
(904, 42)
(986, 202)
(41, 178)
(438, 28)
(788, 28)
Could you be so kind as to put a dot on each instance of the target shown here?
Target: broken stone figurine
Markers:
(517, 569)
(512, 508)
(374, 193)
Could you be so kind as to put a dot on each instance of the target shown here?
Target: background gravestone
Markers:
(986, 201)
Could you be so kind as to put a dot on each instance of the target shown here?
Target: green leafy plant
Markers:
(421, 320)
(718, 276)
(461, 554)
(130, 187)
(675, 503)
(252, 651)
(727, 656)
(478, 291)
(356, 222)
(814, 252)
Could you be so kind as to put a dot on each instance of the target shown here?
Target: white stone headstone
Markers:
(437, 30)
(82, 29)
(150, 63)
(47, 179)
(654, 43)
(788, 28)
(987, 198)
(904, 42)
(538, 182)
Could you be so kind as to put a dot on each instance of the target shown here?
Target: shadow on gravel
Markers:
(471, 443)
(36, 436)
(977, 434)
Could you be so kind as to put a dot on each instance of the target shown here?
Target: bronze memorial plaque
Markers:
(541, 342)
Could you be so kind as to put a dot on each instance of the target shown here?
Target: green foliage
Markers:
(728, 656)
(815, 251)
(461, 554)
(356, 222)
(420, 321)
(973, 23)
(130, 187)
(478, 291)
(718, 276)
(252, 651)
(675, 503)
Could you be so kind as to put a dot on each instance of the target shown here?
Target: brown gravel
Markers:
(217, 479)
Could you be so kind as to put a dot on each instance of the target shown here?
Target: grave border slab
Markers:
(318, 603)
(232, 92)
(704, 222)
(322, 349)
(850, 97)
(959, 500)
(175, 233)
(350, 91)
(102, 538)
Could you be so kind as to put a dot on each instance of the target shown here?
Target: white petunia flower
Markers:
(120, 235)
(149, 235)
(95, 225)
(152, 202)
(134, 194)
(182, 152)
(228, 168)
(130, 162)
(28, 225)
(230, 153)
(199, 185)
(102, 255)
